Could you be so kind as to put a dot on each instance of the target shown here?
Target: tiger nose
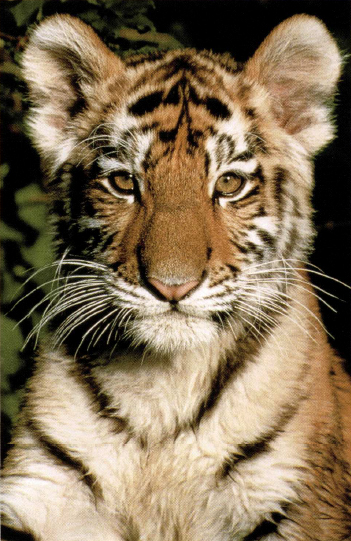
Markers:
(174, 292)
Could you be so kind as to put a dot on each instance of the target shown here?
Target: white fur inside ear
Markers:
(299, 65)
(63, 64)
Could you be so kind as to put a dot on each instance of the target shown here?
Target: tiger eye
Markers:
(228, 184)
(122, 182)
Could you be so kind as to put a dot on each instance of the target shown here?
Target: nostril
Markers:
(173, 292)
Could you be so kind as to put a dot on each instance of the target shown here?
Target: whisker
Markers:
(81, 315)
(300, 287)
(314, 270)
(272, 305)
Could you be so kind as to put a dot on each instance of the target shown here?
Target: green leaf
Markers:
(11, 405)
(40, 253)
(8, 233)
(25, 9)
(4, 171)
(11, 67)
(31, 206)
(11, 288)
(11, 343)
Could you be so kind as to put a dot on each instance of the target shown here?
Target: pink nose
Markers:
(173, 293)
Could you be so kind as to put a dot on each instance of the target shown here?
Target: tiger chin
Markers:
(187, 391)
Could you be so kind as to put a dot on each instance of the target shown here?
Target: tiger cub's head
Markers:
(180, 181)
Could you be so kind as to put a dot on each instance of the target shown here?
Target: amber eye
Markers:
(122, 182)
(228, 184)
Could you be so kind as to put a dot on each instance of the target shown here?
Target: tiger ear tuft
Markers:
(63, 65)
(299, 65)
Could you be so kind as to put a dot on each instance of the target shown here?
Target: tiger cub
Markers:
(187, 391)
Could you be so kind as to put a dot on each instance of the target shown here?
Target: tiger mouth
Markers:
(175, 313)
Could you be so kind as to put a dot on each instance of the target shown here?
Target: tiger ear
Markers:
(299, 65)
(65, 65)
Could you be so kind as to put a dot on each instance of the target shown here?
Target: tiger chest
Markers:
(178, 490)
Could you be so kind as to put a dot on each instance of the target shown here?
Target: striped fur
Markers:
(187, 392)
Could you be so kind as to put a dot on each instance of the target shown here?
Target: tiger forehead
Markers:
(205, 68)
(182, 111)
(182, 79)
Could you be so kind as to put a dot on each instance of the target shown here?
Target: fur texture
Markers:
(187, 392)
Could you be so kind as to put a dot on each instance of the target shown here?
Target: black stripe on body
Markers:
(58, 208)
(246, 452)
(296, 207)
(87, 240)
(258, 173)
(115, 266)
(252, 193)
(108, 241)
(227, 369)
(265, 528)
(242, 249)
(207, 163)
(278, 183)
(252, 248)
(233, 269)
(9, 534)
(214, 106)
(193, 137)
(250, 112)
(78, 106)
(250, 451)
(231, 367)
(266, 237)
(260, 213)
(63, 456)
(88, 207)
(293, 240)
(102, 402)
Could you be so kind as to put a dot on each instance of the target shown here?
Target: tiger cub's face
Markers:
(180, 182)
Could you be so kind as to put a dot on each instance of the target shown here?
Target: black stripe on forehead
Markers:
(182, 89)
(256, 140)
(134, 61)
(182, 63)
(216, 108)
(146, 104)
(149, 103)
(225, 149)
(173, 96)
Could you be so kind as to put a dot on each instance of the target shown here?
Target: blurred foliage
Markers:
(125, 26)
